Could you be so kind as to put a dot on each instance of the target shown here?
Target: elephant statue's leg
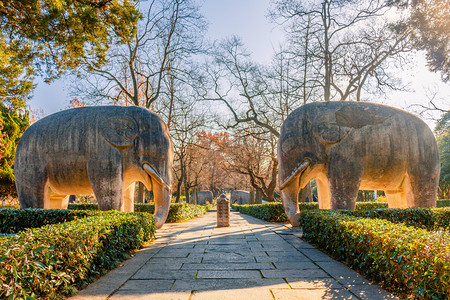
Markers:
(323, 192)
(289, 197)
(420, 187)
(423, 192)
(106, 179)
(128, 198)
(396, 198)
(345, 172)
(32, 186)
(55, 201)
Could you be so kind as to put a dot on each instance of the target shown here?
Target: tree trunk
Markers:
(252, 195)
(194, 196)
(258, 199)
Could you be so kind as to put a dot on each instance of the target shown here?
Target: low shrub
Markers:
(270, 212)
(428, 218)
(53, 261)
(15, 220)
(274, 212)
(443, 203)
(409, 261)
(178, 212)
(83, 206)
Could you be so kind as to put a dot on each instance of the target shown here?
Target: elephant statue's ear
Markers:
(120, 131)
(328, 131)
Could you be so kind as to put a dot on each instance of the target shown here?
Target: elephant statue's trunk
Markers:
(289, 192)
(161, 193)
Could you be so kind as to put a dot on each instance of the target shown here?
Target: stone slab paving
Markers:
(251, 259)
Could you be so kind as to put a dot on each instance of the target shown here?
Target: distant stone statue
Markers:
(240, 197)
(204, 196)
(100, 150)
(349, 146)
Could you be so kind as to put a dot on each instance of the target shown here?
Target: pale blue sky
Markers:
(247, 19)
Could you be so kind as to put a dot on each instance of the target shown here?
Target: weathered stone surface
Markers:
(204, 196)
(307, 294)
(223, 211)
(348, 146)
(100, 150)
(240, 197)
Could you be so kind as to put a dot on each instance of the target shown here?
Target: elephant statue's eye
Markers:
(289, 144)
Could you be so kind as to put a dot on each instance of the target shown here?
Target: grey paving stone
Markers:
(164, 274)
(313, 294)
(247, 294)
(314, 283)
(292, 253)
(146, 286)
(227, 257)
(316, 255)
(172, 253)
(225, 284)
(370, 292)
(297, 273)
(228, 266)
(343, 274)
(175, 260)
(154, 265)
(281, 259)
(231, 274)
(296, 265)
(166, 295)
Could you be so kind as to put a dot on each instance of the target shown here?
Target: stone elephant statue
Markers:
(240, 197)
(100, 150)
(204, 196)
(348, 146)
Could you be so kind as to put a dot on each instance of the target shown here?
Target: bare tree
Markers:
(258, 99)
(169, 33)
(342, 44)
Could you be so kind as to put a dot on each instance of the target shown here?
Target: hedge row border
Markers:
(409, 261)
(55, 260)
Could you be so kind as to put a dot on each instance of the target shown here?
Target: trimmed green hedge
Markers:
(443, 203)
(428, 218)
(406, 260)
(55, 260)
(274, 212)
(15, 220)
(270, 212)
(178, 212)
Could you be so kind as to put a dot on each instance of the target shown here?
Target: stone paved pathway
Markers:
(251, 259)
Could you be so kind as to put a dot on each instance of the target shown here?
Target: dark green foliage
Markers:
(428, 218)
(408, 261)
(60, 35)
(15, 220)
(274, 212)
(53, 261)
(443, 203)
(83, 206)
(178, 212)
(12, 126)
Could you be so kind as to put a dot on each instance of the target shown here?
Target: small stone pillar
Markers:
(223, 211)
